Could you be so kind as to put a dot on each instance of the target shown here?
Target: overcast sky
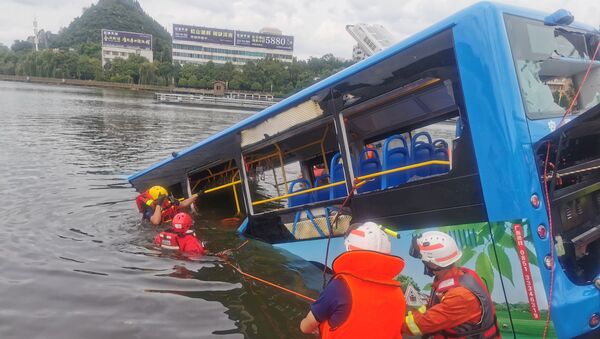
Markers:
(317, 25)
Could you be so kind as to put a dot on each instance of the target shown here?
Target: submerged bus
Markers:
(458, 128)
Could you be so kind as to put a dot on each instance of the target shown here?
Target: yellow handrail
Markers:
(361, 178)
(404, 168)
(293, 194)
(235, 196)
(222, 186)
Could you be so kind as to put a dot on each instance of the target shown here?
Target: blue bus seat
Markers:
(299, 199)
(337, 174)
(321, 194)
(368, 166)
(440, 152)
(421, 151)
(394, 158)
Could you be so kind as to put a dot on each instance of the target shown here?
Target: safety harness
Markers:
(487, 327)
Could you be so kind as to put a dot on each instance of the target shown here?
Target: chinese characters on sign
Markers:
(284, 42)
(203, 34)
(527, 278)
(126, 39)
(230, 37)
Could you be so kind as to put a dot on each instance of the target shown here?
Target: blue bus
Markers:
(485, 126)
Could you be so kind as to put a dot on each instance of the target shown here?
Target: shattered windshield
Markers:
(551, 62)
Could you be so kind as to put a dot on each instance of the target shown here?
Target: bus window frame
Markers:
(321, 122)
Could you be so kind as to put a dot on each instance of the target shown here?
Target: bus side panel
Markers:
(505, 157)
(491, 250)
(503, 148)
(516, 268)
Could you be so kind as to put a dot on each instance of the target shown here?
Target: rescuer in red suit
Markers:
(157, 206)
(179, 237)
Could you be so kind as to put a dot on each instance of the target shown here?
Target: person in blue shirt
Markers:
(363, 299)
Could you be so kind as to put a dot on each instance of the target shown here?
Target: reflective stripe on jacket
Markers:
(144, 200)
(484, 325)
(378, 305)
(187, 242)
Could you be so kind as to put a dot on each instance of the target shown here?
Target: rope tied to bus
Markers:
(546, 191)
(223, 255)
(357, 183)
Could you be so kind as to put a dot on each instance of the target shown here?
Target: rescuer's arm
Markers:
(187, 202)
(309, 324)
(458, 306)
(156, 217)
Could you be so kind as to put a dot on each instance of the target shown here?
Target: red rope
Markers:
(334, 224)
(551, 238)
(547, 194)
(223, 255)
(581, 86)
(269, 283)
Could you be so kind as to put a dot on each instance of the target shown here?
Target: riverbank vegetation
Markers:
(281, 78)
(75, 53)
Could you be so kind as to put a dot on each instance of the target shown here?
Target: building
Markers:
(370, 39)
(193, 44)
(415, 298)
(118, 44)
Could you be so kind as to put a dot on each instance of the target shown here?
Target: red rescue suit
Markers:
(462, 288)
(378, 304)
(184, 242)
(144, 201)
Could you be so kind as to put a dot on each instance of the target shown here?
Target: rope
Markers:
(551, 238)
(334, 225)
(547, 195)
(248, 275)
(223, 255)
(580, 86)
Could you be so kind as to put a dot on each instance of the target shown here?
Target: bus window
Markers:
(406, 132)
(224, 193)
(278, 171)
(551, 61)
(405, 140)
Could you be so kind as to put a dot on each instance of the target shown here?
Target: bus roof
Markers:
(197, 154)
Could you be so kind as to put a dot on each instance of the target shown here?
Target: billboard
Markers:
(126, 39)
(203, 34)
(264, 40)
(233, 38)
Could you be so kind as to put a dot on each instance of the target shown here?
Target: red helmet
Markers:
(182, 222)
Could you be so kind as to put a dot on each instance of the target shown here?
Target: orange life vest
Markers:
(378, 305)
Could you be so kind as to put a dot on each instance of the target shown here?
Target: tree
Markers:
(406, 280)
(21, 46)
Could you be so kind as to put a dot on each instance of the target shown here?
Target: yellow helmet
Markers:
(155, 191)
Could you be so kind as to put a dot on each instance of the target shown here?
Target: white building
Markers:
(118, 44)
(414, 298)
(370, 39)
(192, 44)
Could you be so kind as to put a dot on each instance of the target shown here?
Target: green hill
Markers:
(121, 15)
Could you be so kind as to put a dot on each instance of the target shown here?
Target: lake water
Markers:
(76, 261)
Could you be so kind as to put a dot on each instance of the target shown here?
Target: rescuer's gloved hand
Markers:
(199, 193)
(173, 201)
(161, 198)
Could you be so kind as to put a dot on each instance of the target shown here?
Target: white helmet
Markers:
(368, 236)
(435, 247)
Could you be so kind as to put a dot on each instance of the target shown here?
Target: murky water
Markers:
(77, 263)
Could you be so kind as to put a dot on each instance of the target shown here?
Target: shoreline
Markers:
(114, 85)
